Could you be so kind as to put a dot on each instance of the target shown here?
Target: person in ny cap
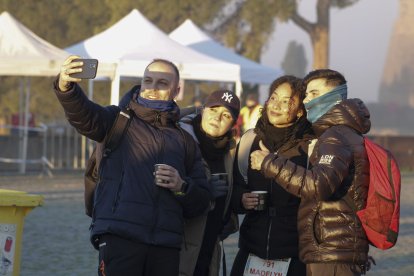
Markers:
(212, 130)
(137, 221)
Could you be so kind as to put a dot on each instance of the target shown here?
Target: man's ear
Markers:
(177, 91)
(174, 93)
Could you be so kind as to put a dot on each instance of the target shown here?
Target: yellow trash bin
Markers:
(14, 206)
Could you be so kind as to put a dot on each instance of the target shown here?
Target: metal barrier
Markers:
(44, 148)
(21, 157)
(60, 147)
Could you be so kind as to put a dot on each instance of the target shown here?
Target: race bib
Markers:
(257, 266)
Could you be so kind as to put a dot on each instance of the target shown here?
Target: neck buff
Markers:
(156, 104)
(319, 106)
(212, 148)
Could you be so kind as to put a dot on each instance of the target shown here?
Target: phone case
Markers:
(89, 68)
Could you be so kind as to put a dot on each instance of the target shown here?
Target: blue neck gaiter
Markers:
(319, 106)
(156, 104)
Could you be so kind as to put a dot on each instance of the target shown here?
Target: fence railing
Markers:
(52, 147)
(44, 149)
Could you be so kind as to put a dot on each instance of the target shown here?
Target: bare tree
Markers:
(319, 30)
(247, 29)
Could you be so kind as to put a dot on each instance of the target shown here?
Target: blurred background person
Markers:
(197, 101)
(251, 112)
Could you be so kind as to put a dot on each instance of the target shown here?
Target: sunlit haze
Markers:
(359, 42)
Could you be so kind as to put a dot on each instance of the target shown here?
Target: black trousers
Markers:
(296, 267)
(118, 256)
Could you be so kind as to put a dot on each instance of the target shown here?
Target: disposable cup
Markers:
(263, 198)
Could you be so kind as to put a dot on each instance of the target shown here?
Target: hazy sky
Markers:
(359, 42)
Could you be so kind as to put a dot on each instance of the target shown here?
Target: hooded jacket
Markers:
(195, 228)
(329, 230)
(127, 202)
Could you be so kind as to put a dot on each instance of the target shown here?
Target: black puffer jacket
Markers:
(270, 234)
(329, 231)
(127, 202)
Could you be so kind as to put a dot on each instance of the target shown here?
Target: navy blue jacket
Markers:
(127, 202)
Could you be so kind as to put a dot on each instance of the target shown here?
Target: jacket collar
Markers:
(152, 116)
(352, 113)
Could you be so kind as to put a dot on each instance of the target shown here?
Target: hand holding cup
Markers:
(167, 177)
(262, 197)
(219, 183)
(255, 200)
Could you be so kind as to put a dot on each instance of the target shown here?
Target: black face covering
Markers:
(274, 138)
(212, 148)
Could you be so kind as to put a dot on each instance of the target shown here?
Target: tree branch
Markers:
(224, 16)
(302, 22)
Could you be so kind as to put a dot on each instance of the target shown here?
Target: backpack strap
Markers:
(101, 150)
(189, 153)
(347, 198)
(117, 131)
(350, 203)
(245, 146)
(114, 136)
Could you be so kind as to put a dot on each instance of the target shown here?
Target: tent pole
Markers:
(197, 89)
(26, 128)
(115, 82)
(239, 88)
(19, 130)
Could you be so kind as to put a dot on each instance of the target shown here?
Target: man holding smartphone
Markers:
(137, 221)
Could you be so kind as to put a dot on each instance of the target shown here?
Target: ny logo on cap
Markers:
(227, 97)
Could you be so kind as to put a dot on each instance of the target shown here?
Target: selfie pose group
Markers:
(173, 188)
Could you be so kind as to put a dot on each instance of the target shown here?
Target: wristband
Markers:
(183, 189)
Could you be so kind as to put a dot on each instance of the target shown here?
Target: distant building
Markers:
(397, 86)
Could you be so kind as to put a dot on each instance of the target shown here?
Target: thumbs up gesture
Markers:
(257, 157)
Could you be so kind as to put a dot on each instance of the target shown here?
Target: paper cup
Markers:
(262, 200)
(156, 167)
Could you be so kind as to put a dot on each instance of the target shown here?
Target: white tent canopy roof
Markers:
(134, 41)
(190, 35)
(23, 53)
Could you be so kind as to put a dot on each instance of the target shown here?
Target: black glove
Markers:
(220, 187)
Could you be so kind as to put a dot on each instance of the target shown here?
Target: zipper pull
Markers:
(157, 118)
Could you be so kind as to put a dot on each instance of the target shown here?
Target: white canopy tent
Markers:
(134, 41)
(23, 53)
(188, 34)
